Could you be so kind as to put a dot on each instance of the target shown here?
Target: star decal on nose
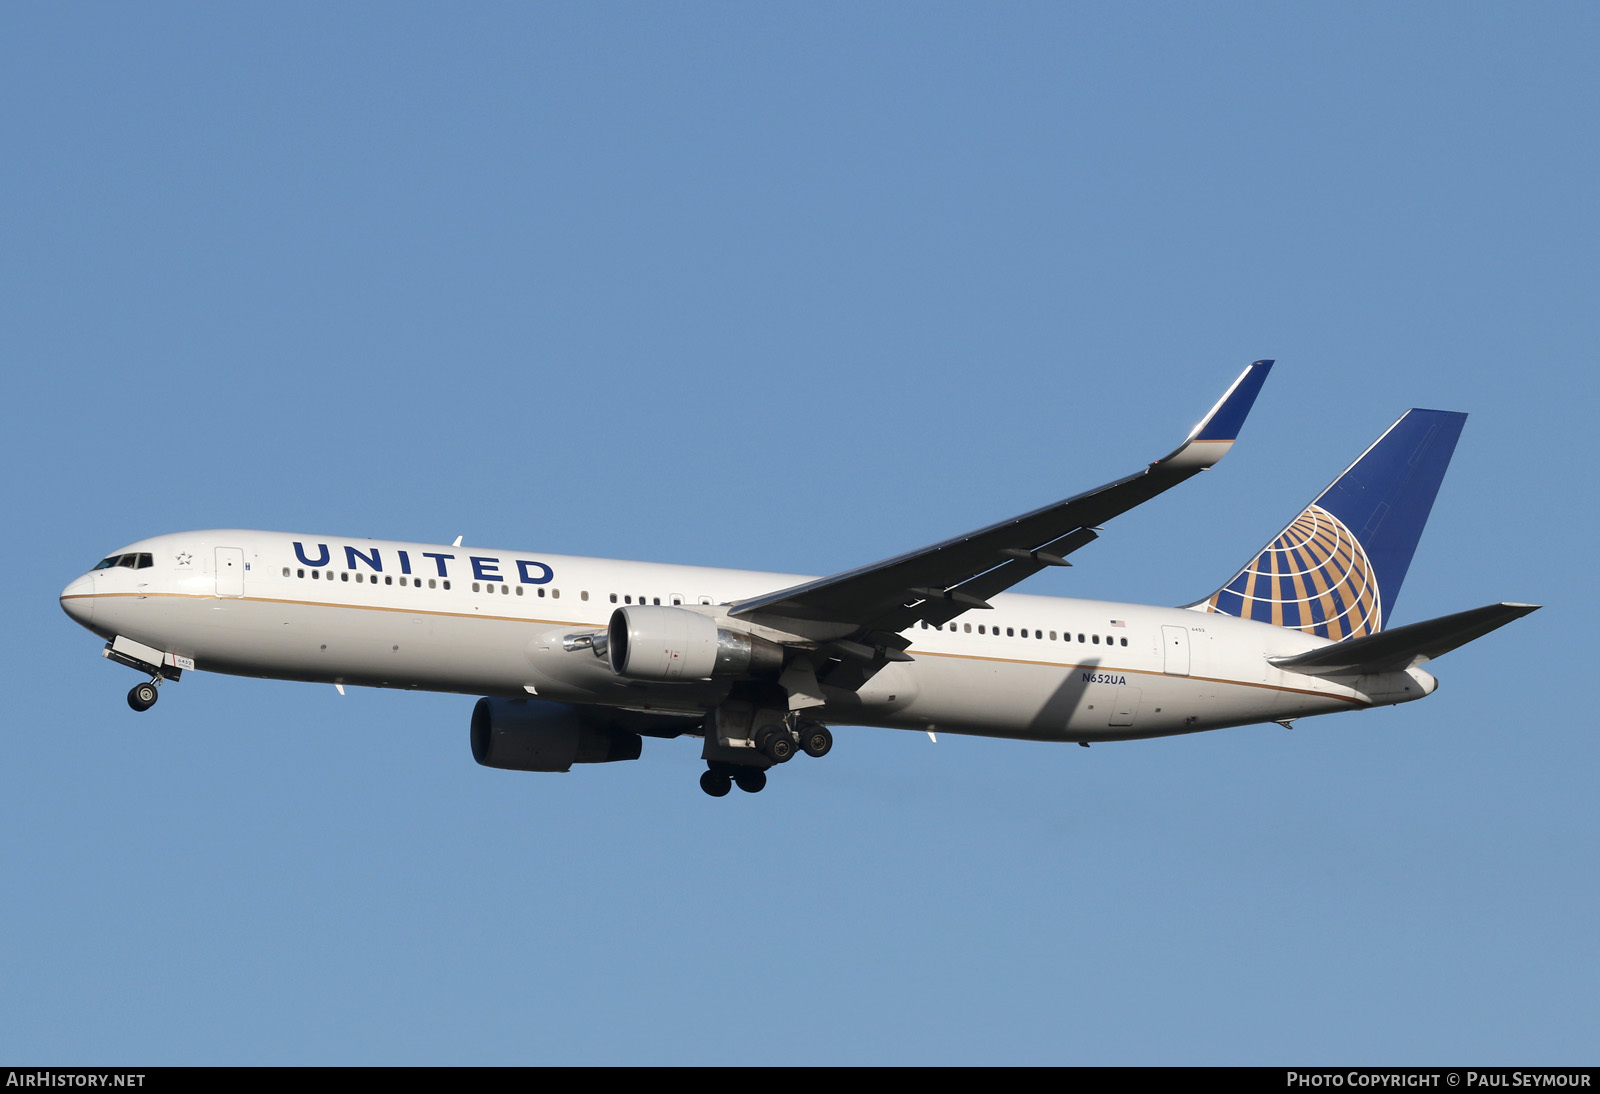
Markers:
(185, 558)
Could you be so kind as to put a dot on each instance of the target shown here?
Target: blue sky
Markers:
(793, 287)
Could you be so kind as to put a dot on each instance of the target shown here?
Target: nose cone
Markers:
(77, 600)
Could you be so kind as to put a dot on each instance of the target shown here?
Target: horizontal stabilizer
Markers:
(1403, 647)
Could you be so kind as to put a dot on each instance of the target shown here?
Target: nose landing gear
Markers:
(144, 696)
(146, 660)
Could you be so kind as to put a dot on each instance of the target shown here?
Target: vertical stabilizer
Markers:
(1336, 570)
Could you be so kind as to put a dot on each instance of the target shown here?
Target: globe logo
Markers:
(1315, 577)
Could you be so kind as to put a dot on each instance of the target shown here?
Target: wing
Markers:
(939, 582)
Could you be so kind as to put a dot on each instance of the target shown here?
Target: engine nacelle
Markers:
(660, 643)
(535, 735)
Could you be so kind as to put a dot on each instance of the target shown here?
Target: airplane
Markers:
(577, 660)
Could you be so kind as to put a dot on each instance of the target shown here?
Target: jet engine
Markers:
(535, 735)
(660, 643)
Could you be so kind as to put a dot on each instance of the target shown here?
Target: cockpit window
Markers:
(141, 560)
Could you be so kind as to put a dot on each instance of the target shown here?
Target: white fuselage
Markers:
(492, 622)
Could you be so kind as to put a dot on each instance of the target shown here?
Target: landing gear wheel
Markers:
(143, 696)
(715, 783)
(752, 781)
(815, 739)
(775, 744)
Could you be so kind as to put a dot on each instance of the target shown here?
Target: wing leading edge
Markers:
(939, 582)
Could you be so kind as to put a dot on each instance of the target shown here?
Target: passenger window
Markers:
(474, 586)
(431, 584)
(584, 595)
(1124, 641)
(555, 594)
(1097, 639)
(286, 571)
(388, 579)
(447, 583)
(613, 598)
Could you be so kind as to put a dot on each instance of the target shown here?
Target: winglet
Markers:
(1209, 441)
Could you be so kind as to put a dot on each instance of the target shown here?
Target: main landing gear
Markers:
(815, 740)
(777, 743)
(718, 779)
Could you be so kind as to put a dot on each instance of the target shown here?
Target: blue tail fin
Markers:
(1337, 569)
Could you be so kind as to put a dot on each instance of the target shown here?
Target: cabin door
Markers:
(230, 571)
